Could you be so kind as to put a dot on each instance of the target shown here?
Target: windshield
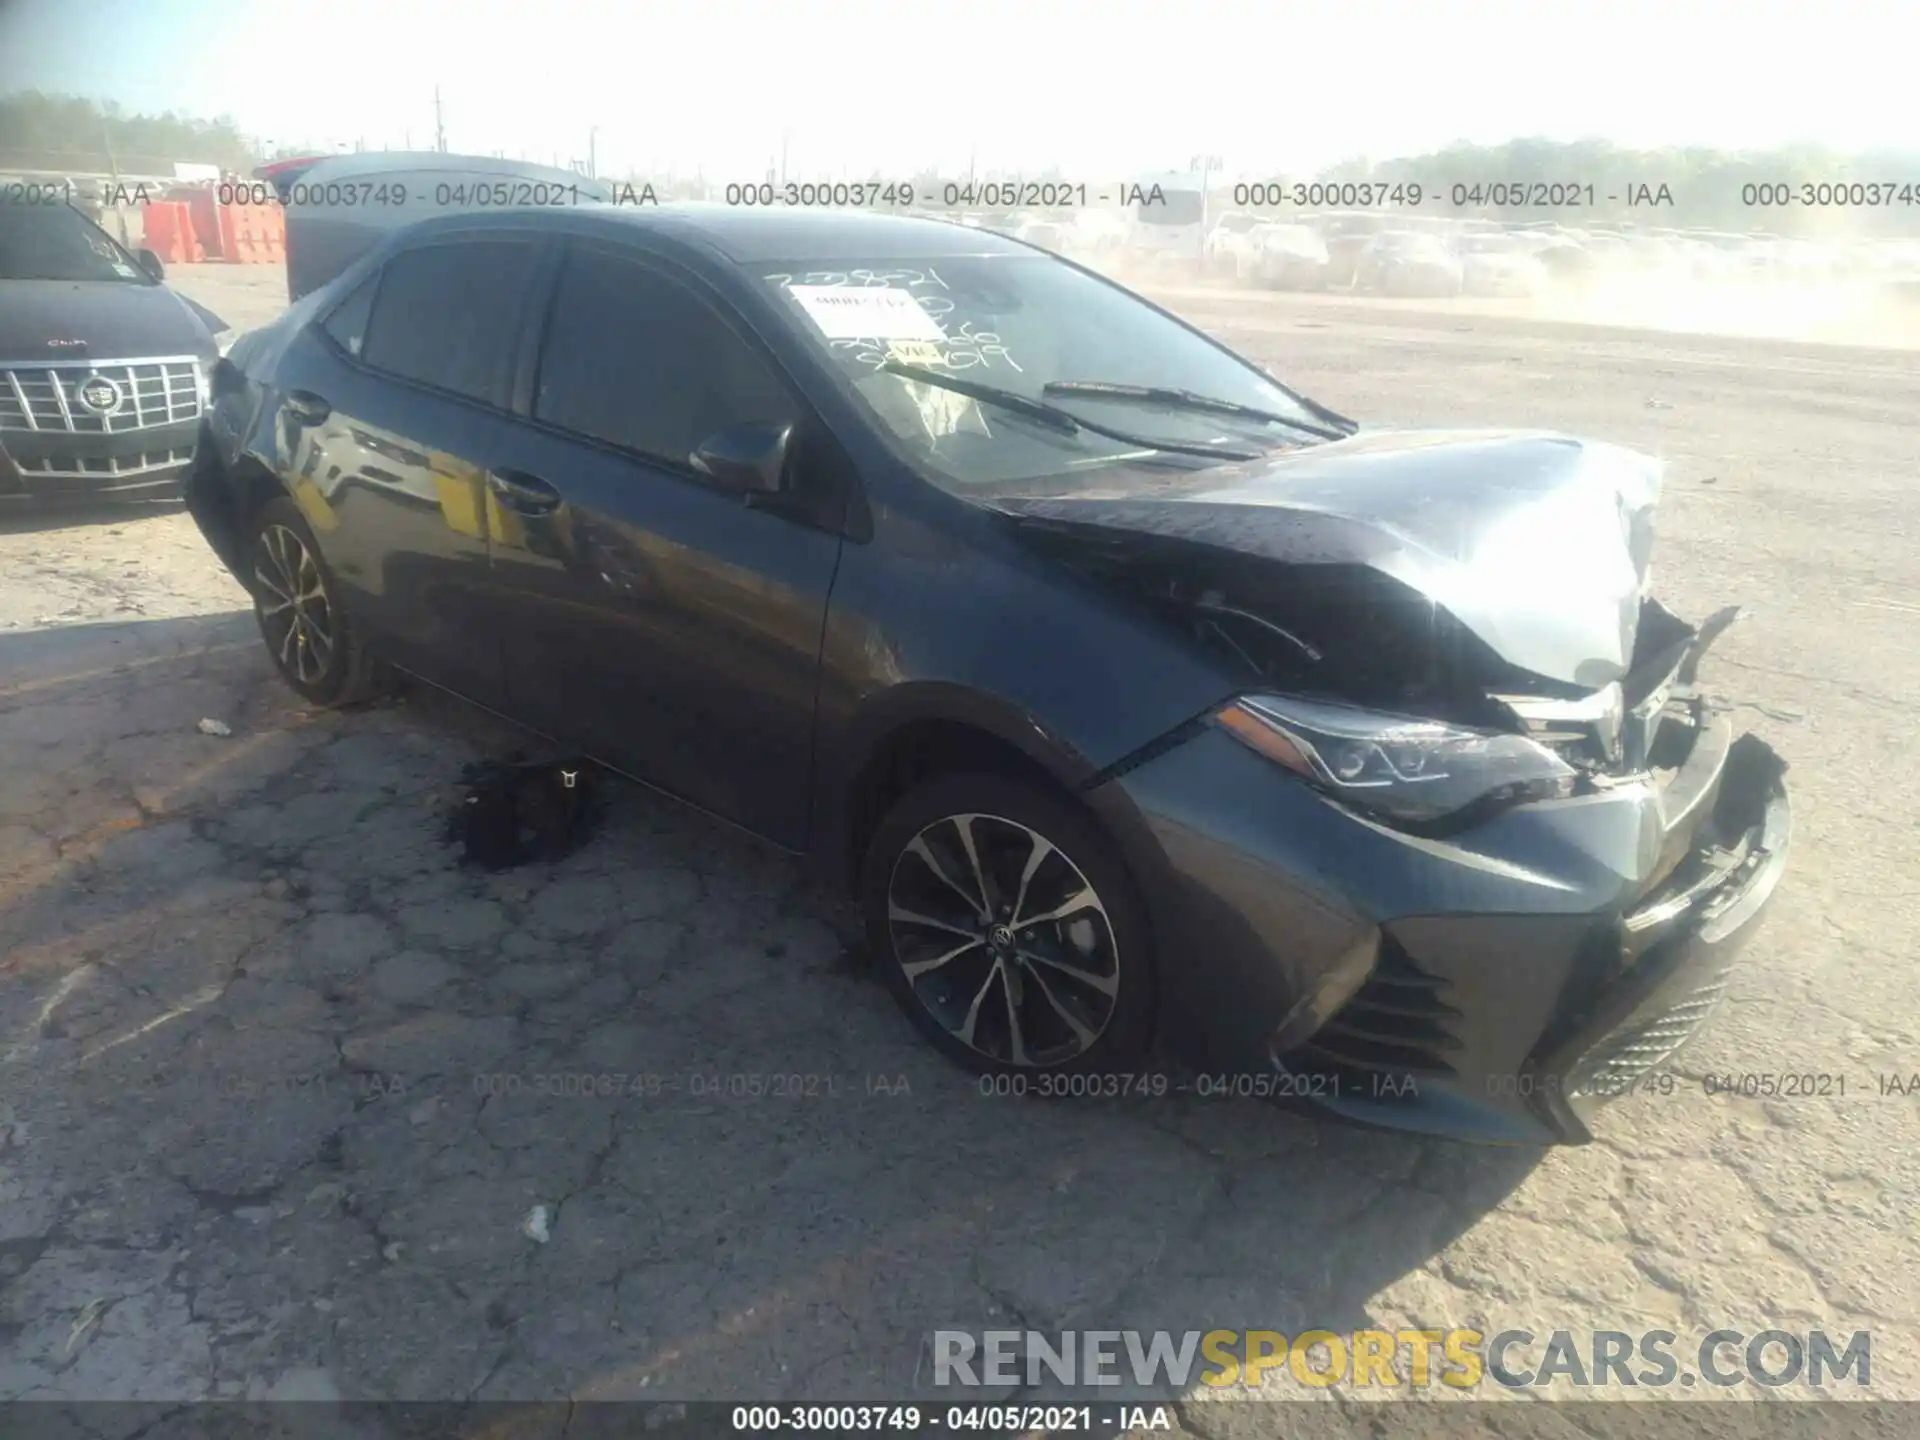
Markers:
(56, 242)
(1021, 323)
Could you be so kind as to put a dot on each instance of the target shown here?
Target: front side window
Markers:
(447, 315)
(1038, 328)
(634, 358)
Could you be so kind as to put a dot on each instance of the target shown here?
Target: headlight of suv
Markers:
(1400, 768)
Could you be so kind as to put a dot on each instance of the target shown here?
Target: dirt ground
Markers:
(275, 1101)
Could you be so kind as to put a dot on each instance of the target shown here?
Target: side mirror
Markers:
(749, 459)
(150, 263)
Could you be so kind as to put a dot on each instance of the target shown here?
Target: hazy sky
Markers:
(1110, 90)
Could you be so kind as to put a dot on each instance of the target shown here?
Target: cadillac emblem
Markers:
(99, 395)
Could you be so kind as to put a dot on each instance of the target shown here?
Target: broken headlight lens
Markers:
(1400, 768)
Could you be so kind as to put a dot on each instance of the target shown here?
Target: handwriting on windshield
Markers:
(963, 345)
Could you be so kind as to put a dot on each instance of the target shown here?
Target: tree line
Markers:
(72, 135)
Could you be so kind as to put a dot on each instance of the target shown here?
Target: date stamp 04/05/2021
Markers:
(790, 1086)
(924, 194)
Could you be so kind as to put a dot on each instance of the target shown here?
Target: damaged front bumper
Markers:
(1635, 990)
(1500, 985)
(1687, 940)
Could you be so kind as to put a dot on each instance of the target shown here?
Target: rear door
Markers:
(392, 410)
(663, 624)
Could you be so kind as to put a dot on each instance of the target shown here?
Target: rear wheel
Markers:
(1008, 930)
(309, 638)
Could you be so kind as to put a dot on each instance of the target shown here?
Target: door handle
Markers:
(307, 407)
(526, 494)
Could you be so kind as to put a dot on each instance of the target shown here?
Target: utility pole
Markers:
(593, 167)
(439, 126)
(785, 137)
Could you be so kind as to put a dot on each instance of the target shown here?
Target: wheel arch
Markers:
(911, 733)
(223, 497)
(926, 729)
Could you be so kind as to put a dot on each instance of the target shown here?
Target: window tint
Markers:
(347, 325)
(634, 358)
(446, 315)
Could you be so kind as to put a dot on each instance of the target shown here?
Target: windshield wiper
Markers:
(1182, 400)
(1038, 411)
(1053, 416)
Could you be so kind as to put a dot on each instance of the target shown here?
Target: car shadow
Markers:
(634, 1124)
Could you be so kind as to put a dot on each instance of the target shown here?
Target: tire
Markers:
(309, 639)
(1083, 986)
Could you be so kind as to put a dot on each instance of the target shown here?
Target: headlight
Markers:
(1398, 767)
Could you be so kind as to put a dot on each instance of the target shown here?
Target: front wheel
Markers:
(309, 638)
(1008, 930)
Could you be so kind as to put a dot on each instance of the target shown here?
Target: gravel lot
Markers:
(248, 1004)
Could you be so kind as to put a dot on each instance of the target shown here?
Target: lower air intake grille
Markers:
(121, 468)
(1620, 1060)
(1396, 1025)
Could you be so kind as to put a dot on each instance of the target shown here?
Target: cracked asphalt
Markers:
(281, 1084)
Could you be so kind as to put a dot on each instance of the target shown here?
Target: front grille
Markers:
(111, 397)
(1614, 1066)
(96, 468)
(1397, 1024)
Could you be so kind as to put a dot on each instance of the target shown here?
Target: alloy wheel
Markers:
(1003, 940)
(291, 598)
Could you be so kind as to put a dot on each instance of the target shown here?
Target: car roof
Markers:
(749, 235)
(372, 163)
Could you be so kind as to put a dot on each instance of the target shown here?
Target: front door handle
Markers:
(307, 407)
(523, 493)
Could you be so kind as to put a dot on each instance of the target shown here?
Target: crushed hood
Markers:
(1538, 543)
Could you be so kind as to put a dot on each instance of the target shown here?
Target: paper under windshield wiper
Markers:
(1053, 416)
(1182, 400)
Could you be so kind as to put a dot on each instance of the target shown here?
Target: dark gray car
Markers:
(103, 369)
(1132, 693)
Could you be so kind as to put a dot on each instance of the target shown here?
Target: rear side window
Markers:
(447, 315)
(347, 325)
(634, 358)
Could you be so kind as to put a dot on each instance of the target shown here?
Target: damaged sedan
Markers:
(1136, 697)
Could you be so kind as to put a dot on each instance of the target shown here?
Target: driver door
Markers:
(660, 623)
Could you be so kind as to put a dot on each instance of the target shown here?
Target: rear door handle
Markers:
(307, 407)
(523, 493)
